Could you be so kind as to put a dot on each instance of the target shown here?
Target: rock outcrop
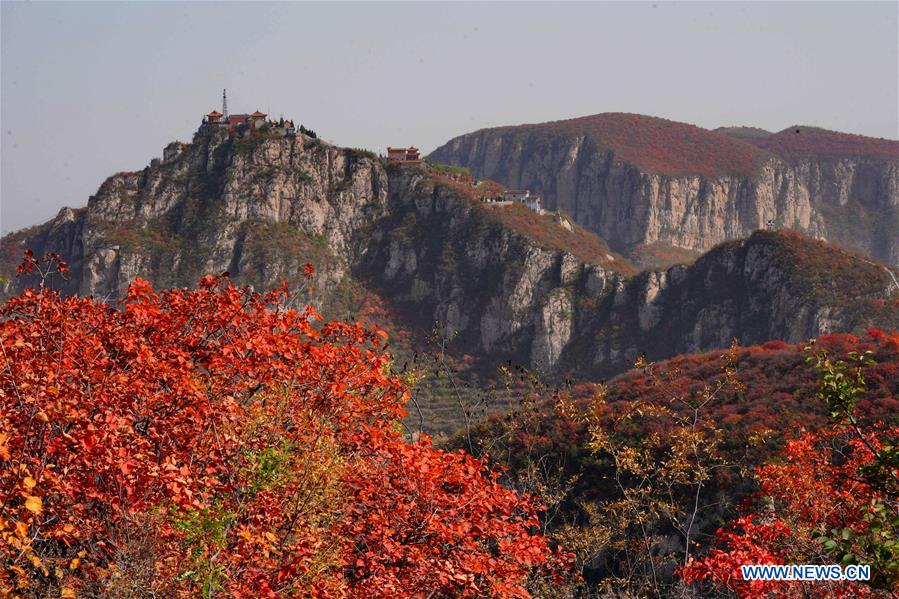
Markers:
(444, 259)
(637, 180)
(773, 285)
(256, 206)
(498, 294)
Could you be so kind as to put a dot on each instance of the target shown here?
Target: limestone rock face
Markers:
(255, 207)
(848, 200)
(261, 208)
(490, 289)
(752, 290)
(554, 328)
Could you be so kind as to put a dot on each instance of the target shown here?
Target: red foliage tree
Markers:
(833, 497)
(811, 490)
(211, 440)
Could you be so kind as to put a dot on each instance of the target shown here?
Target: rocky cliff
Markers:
(500, 294)
(500, 282)
(636, 180)
(773, 285)
(492, 289)
(256, 206)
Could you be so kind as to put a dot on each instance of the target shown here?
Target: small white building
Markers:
(524, 196)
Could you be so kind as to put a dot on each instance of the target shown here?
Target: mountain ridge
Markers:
(495, 283)
(852, 200)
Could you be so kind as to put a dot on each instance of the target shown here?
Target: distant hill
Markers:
(654, 144)
(801, 141)
(639, 181)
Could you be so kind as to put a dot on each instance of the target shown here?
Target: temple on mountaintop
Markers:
(256, 120)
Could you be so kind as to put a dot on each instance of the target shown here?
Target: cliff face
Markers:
(697, 196)
(491, 290)
(497, 294)
(773, 285)
(499, 282)
(258, 207)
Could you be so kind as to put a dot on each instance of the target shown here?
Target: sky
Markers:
(90, 89)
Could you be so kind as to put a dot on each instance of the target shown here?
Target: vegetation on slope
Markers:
(835, 276)
(829, 498)
(612, 460)
(212, 442)
(801, 141)
(656, 145)
(548, 232)
(659, 255)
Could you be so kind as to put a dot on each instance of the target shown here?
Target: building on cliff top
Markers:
(403, 155)
(256, 120)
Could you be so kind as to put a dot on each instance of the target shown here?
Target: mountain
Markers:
(772, 285)
(505, 295)
(412, 248)
(256, 206)
(637, 180)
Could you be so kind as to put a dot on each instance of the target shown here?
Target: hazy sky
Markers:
(89, 89)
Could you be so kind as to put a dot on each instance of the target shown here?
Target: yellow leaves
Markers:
(599, 440)
(37, 563)
(34, 504)
(21, 530)
(67, 593)
(29, 482)
(74, 563)
(247, 535)
(4, 450)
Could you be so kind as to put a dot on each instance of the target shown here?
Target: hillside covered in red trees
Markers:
(772, 390)
(800, 141)
(655, 144)
(645, 448)
(197, 443)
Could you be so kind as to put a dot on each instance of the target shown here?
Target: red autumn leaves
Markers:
(212, 441)
(816, 485)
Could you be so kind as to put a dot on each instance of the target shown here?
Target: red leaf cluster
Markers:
(245, 447)
(810, 487)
